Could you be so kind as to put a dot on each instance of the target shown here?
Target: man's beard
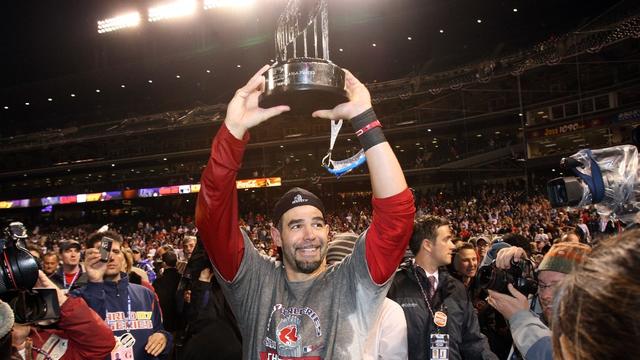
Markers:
(308, 267)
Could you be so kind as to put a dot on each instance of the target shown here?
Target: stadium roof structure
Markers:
(59, 71)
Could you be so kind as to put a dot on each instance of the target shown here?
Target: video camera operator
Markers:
(78, 334)
(529, 319)
(47, 323)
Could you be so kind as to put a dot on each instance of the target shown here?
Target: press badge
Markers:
(124, 347)
(122, 354)
(439, 346)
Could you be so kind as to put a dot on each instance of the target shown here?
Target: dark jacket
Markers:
(465, 340)
(166, 286)
(58, 279)
(211, 314)
(109, 300)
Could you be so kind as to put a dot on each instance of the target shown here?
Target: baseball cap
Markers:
(294, 198)
(477, 239)
(68, 244)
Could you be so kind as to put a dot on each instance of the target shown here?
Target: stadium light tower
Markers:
(171, 10)
(119, 22)
(212, 4)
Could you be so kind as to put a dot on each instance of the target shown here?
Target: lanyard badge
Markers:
(439, 346)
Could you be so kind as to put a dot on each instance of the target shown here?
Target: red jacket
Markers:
(81, 334)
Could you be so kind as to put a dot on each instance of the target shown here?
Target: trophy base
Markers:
(305, 85)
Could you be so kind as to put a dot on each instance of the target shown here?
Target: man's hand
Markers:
(95, 268)
(156, 343)
(243, 111)
(45, 282)
(359, 101)
(187, 296)
(507, 255)
(508, 305)
(205, 275)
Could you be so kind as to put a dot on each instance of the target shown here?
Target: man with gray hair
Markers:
(188, 244)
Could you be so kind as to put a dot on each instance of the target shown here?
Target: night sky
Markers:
(51, 49)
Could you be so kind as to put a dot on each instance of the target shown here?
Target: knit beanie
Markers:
(6, 324)
(564, 257)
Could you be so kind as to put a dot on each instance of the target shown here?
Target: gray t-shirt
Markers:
(327, 317)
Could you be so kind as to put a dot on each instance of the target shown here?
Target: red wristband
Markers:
(369, 126)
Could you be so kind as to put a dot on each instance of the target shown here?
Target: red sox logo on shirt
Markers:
(286, 340)
(288, 335)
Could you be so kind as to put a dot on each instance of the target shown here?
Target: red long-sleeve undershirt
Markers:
(217, 215)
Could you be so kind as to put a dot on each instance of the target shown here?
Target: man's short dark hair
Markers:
(96, 237)
(170, 259)
(425, 227)
(518, 240)
(466, 246)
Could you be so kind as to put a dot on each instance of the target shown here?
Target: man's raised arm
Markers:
(217, 207)
(393, 208)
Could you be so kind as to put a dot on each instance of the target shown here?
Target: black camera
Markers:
(18, 268)
(18, 275)
(34, 305)
(521, 275)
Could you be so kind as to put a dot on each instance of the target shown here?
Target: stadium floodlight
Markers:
(211, 4)
(174, 9)
(123, 21)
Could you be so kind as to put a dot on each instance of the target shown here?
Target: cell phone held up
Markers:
(105, 248)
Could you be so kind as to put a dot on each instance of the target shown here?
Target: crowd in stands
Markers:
(159, 247)
(491, 211)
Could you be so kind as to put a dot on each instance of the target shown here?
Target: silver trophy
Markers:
(303, 77)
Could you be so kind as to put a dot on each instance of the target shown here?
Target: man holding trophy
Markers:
(300, 308)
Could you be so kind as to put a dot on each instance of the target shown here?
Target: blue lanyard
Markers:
(128, 322)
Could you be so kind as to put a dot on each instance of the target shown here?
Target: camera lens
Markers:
(18, 269)
(492, 278)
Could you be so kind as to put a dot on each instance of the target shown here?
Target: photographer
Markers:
(130, 310)
(529, 320)
(79, 334)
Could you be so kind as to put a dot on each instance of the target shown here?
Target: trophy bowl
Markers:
(305, 84)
